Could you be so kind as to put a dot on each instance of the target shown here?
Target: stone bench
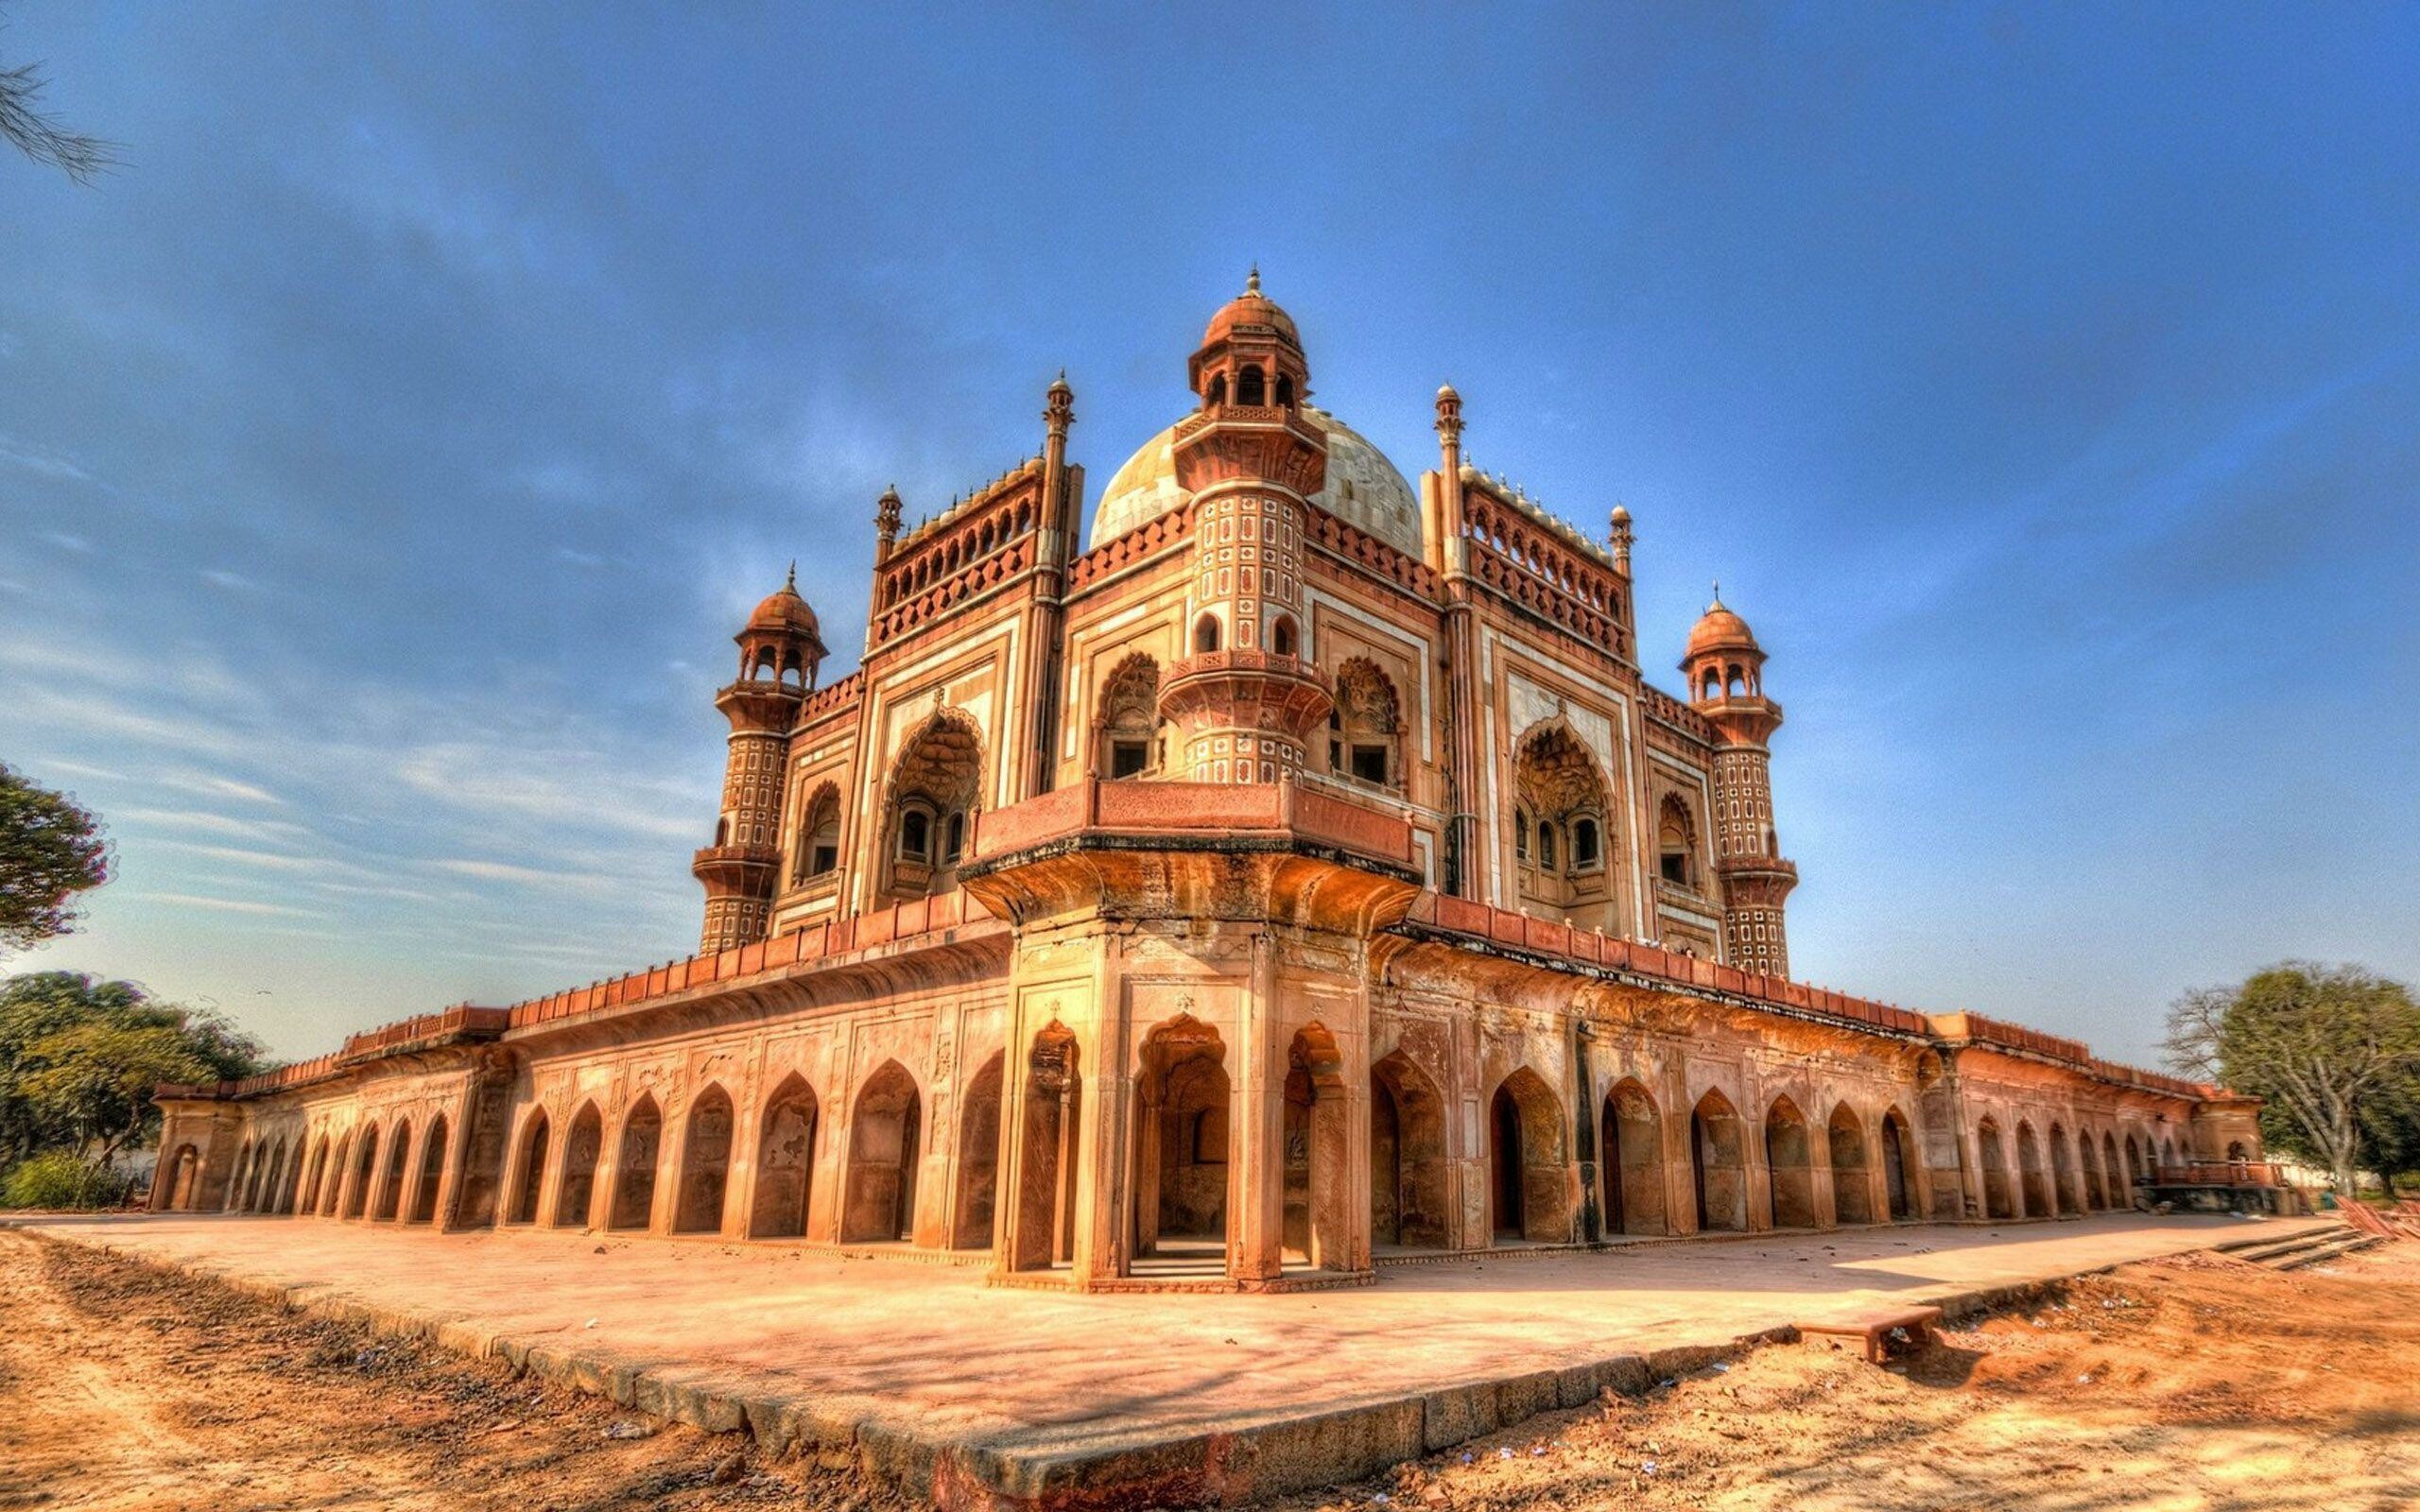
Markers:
(1876, 1332)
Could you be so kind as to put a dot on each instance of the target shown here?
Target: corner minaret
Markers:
(781, 648)
(1725, 668)
(1244, 702)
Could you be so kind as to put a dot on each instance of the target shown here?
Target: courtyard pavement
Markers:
(1046, 1379)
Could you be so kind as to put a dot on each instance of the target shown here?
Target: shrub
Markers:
(59, 1179)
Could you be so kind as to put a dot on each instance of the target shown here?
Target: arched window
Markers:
(819, 834)
(1206, 634)
(934, 786)
(1520, 834)
(953, 839)
(915, 835)
(1586, 854)
(1366, 726)
(1676, 842)
(1281, 635)
(1545, 846)
(1129, 717)
(1218, 394)
(1284, 391)
(1250, 388)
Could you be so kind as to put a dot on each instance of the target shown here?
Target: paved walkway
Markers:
(1039, 1379)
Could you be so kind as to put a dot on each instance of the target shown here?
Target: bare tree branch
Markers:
(42, 137)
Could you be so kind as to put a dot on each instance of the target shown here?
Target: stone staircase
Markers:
(2309, 1248)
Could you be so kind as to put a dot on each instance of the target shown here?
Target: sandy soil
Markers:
(121, 1386)
(2200, 1382)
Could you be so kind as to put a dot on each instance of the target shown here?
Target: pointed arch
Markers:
(634, 1160)
(1790, 1166)
(2064, 1188)
(1409, 1163)
(885, 1138)
(1046, 1165)
(1558, 785)
(1676, 843)
(1317, 1219)
(705, 1162)
(973, 1219)
(2033, 1183)
(2118, 1184)
(1719, 1164)
(234, 1201)
(1181, 1158)
(2133, 1167)
(332, 1185)
(819, 835)
(1365, 725)
(316, 1196)
(1631, 1157)
(389, 1196)
(1852, 1171)
(785, 1162)
(532, 1172)
(425, 1189)
(1898, 1166)
(1126, 723)
(1529, 1196)
(935, 785)
(1999, 1200)
(2095, 1198)
(583, 1146)
(365, 1170)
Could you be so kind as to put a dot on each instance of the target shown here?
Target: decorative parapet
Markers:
(1109, 558)
(1662, 705)
(979, 546)
(459, 1024)
(1202, 813)
(1366, 551)
(1544, 566)
(1975, 1029)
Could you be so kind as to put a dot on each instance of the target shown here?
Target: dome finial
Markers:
(793, 583)
(1252, 283)
(1717, 595)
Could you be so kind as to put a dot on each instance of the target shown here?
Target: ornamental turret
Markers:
(781, 649)
(1244, 701)
(1725, 668)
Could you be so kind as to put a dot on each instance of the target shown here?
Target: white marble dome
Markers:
(1363, 489)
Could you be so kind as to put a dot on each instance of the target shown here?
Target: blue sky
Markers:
(388, 451)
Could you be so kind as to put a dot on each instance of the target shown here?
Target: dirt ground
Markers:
(2200, 1382)
(123, 1387)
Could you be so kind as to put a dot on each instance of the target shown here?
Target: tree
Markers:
(80, 1059)
(2391, 1131)
(2320, 1043)
(51, 849)
(40, 136)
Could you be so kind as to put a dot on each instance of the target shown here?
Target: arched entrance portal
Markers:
(1852, 1174)
(1048, 1159)
(635, 1165)
(705, 1163)
(365, 1170)
(1997, 1200)
(1408, 1201)
(885, 1136)
(1719, 1164)
(432, 1173)
(1632, 1161)
(1318, 1223)
(1898, 1158)
(2035, 1185)
(979, 1157)
(533, 1170)
(1181, 1156)
(2067, 1190)
(1790, 1166)
(582, 1148)
(785, 1162)
(1529, 1196)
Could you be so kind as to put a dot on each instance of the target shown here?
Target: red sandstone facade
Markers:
(1304, 874)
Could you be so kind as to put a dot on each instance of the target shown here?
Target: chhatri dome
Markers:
(782, 612)
(1718, 630)
(1362, 488)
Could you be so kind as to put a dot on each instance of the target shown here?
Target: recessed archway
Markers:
(1852, 1174)
(1789, 1167)
(1180, 1152)
(878, 1201)
(524, 1208)
(2032, 1182)
(1632, 1161)
(331, 1184)
(432, 1173)
(1899, 1161)
(1407, 1160)
(391, 1186)
(1997, 1200)
(705, 1163)
(785, 1162)
(583, 1144)
(1529, 1196)
(635, 1165)
(365, 1170)
(973, 1221)
(1719, 1164)
(1054, 1087)
(1318, 1224)
(2065, 1189)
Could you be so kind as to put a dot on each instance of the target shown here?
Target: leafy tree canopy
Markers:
(79, 1059)
(51, 849)
(2333, 1049)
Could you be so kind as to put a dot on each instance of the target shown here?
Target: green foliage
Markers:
(2334, 1050)
(79, 1059)
(59, 1179)
(51, 849)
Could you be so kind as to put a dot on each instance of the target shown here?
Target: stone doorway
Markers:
(785, 1162)
(878, 1204)
(1407, 1187)
(1632, 1161)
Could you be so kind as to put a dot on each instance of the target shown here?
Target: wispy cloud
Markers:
(206, 823)
(226, 905)
(232, 581)
(40, 463)
(524, 876)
